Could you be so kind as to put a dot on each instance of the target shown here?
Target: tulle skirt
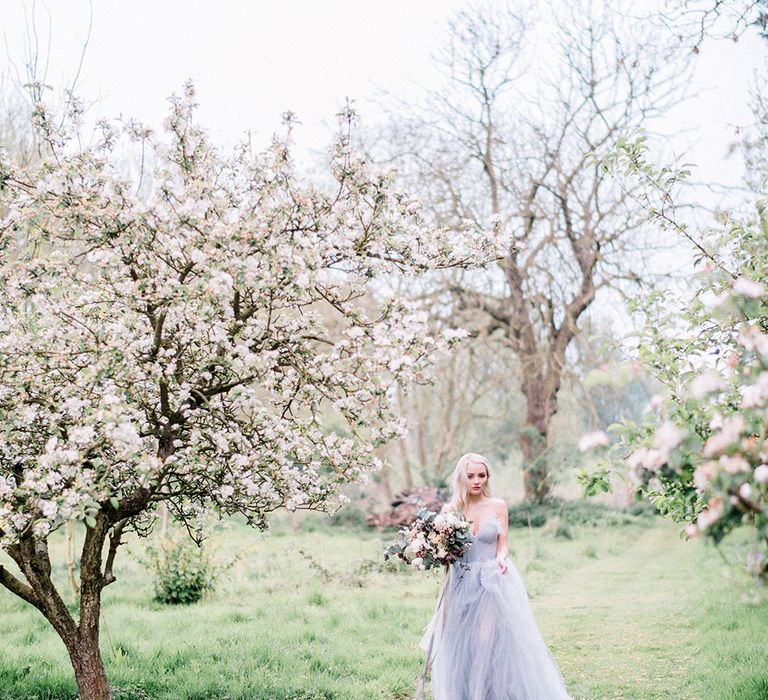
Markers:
(486, 643)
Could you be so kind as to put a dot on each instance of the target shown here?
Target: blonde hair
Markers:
(460, 483)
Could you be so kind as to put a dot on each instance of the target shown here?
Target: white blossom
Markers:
(205, 333)
(755, 395)
(590, 441)
(707, 383)
(761, 474)
(667, 437)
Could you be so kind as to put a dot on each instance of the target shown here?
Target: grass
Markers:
(630, 612)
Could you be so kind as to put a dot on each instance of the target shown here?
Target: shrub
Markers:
(529, 514)
(578, 512)
(183, 571)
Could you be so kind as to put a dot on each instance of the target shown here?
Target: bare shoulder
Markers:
(499, 504)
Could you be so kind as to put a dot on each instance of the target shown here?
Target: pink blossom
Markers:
(748, 288)
(754, 340)
(711, 514)
(734, 464)
(728, 435)
(703, 474)
(732, 359)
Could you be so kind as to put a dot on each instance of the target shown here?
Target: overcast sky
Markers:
(251, 61)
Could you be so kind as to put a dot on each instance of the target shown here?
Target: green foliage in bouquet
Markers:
(431, 540)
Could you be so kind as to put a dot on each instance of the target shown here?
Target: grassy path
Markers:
(619, 621)
(651, 621)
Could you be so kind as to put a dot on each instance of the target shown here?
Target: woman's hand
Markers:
(501, 561)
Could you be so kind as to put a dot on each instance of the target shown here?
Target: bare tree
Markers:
(510, 138)
(693, 21)
(472, 404)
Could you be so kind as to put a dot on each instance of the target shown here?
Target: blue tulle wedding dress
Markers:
(486, 644)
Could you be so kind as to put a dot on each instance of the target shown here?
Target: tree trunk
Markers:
(533, 443)
(89, 669)
(81, 641)
(69, 529)
(533, 439)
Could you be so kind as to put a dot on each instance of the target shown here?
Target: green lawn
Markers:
(629, 611)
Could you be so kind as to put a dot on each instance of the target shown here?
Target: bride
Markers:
(485, 644)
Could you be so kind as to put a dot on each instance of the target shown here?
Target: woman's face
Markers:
(477, 477)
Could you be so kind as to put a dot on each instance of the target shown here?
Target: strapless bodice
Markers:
(483, 545)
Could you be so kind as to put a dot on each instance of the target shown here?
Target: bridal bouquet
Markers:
(432, 539)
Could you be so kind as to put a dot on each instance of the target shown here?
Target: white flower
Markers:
(592, 440)
(198, 257)
(83, 435)
(761, 474)
(125, 433)
(73, 406)
(745, 491)
(755, 395)
(220, 283)
(654, 484)
(451, 335)
(748, 288)
(707, 383)
(49, 509)
(667, 437)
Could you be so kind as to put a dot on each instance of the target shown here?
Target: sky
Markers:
(252, 61)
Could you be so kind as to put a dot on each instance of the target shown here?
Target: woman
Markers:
(486, 644)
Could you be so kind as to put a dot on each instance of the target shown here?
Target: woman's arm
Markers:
(502, 549)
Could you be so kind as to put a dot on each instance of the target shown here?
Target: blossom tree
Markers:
(187, 346)
(701, 453)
